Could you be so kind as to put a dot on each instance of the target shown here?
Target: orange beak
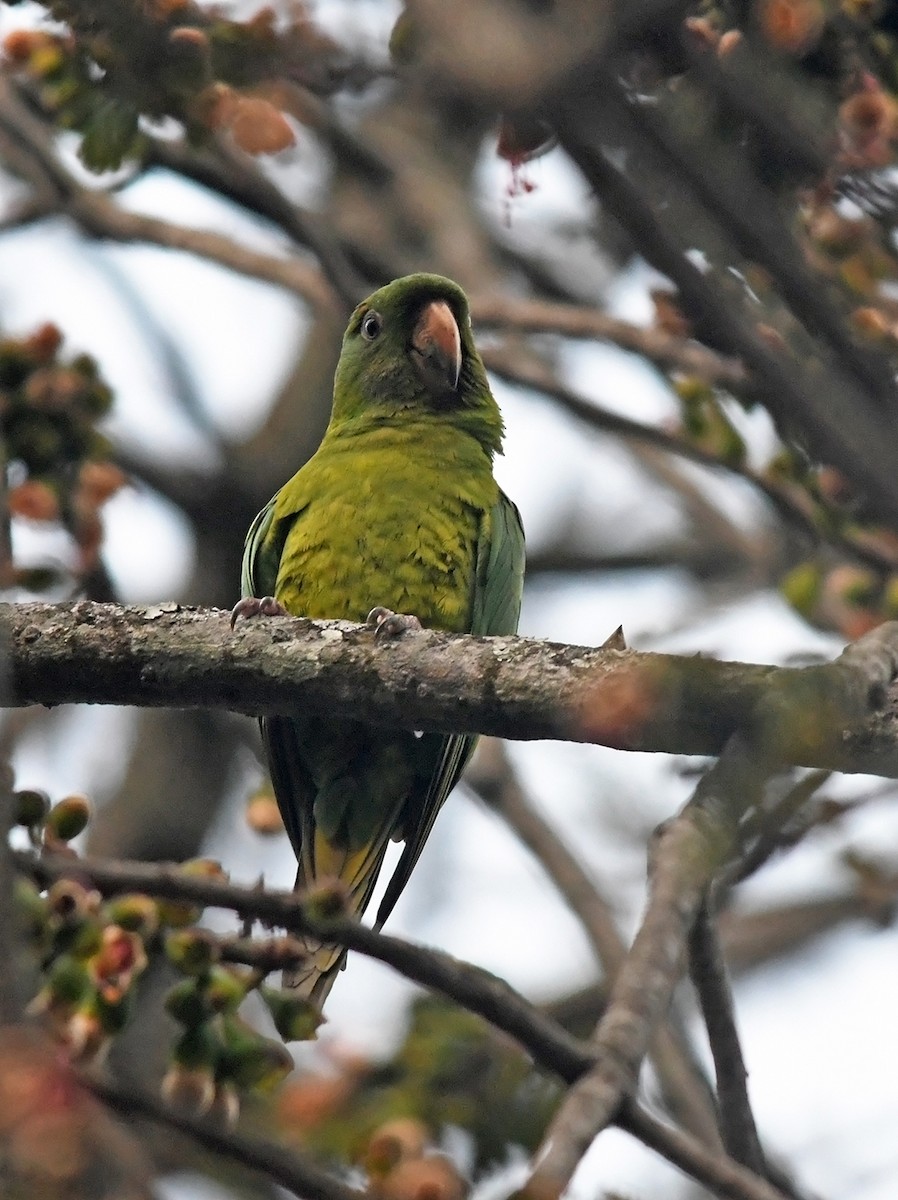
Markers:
(436, 347)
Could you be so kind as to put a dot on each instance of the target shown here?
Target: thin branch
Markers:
(575, 321)
(166, 656)
(476, 989)
(708, 973)
(846, 431)
(688, 852)
(103, 217)
(745, 209)
(493, 779)
(287, 1168)
(774, 830)
(792, 505)
(228, 173)
(722, 1175)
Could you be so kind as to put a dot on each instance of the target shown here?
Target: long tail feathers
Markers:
(358, 872)
(314, 980)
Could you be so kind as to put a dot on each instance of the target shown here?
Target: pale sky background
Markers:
(819, 1031)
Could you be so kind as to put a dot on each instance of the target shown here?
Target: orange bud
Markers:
(728, 42)
(85, 1036)
(263, 815)
(189, 35)
(168, 8)
(431, 1178)
(19, 44)
(868, 112)
(217, 105)
(97, 481)
(703, 31)
(34, 500)
(187, 1089)
(394, 1142)
(872, 323)
(772, 338)
(259, 128)
(44, 342)
(792, 25)
(668, 314)
(311, 1099)
(834, 486)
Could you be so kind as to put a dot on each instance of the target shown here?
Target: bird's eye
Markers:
(372, 323)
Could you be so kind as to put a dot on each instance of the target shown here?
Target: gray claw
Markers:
(255, 606)
(388, 624)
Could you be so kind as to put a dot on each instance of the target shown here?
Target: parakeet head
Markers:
(408, 349)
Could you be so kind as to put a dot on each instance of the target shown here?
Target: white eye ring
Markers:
(372, 324)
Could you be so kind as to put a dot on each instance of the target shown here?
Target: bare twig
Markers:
(792, 506)
(685, 1089)
(287, 1168)
(688, 852)
(722, 1175)
(846, 431)
(708, 973)
(663, 349)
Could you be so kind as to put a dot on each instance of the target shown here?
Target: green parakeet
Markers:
(398, 508)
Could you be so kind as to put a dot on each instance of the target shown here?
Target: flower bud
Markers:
(295, 1018)
(68, 818)
(192, 951)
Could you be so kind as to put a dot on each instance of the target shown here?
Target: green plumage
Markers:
(398, 507)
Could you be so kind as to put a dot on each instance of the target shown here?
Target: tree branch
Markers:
(575, 321)
(287, 1168)
(840, 423)
(165, 656)
(684, 1086)
(689, 853)
(476, 989)
(792, 504)
(708, 972)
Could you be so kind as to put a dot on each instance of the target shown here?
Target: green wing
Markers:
(259, 569)
(499, 582)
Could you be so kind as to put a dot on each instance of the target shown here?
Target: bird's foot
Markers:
(388, 624)
(255, 606)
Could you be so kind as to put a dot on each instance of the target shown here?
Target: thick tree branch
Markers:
(164, 656)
